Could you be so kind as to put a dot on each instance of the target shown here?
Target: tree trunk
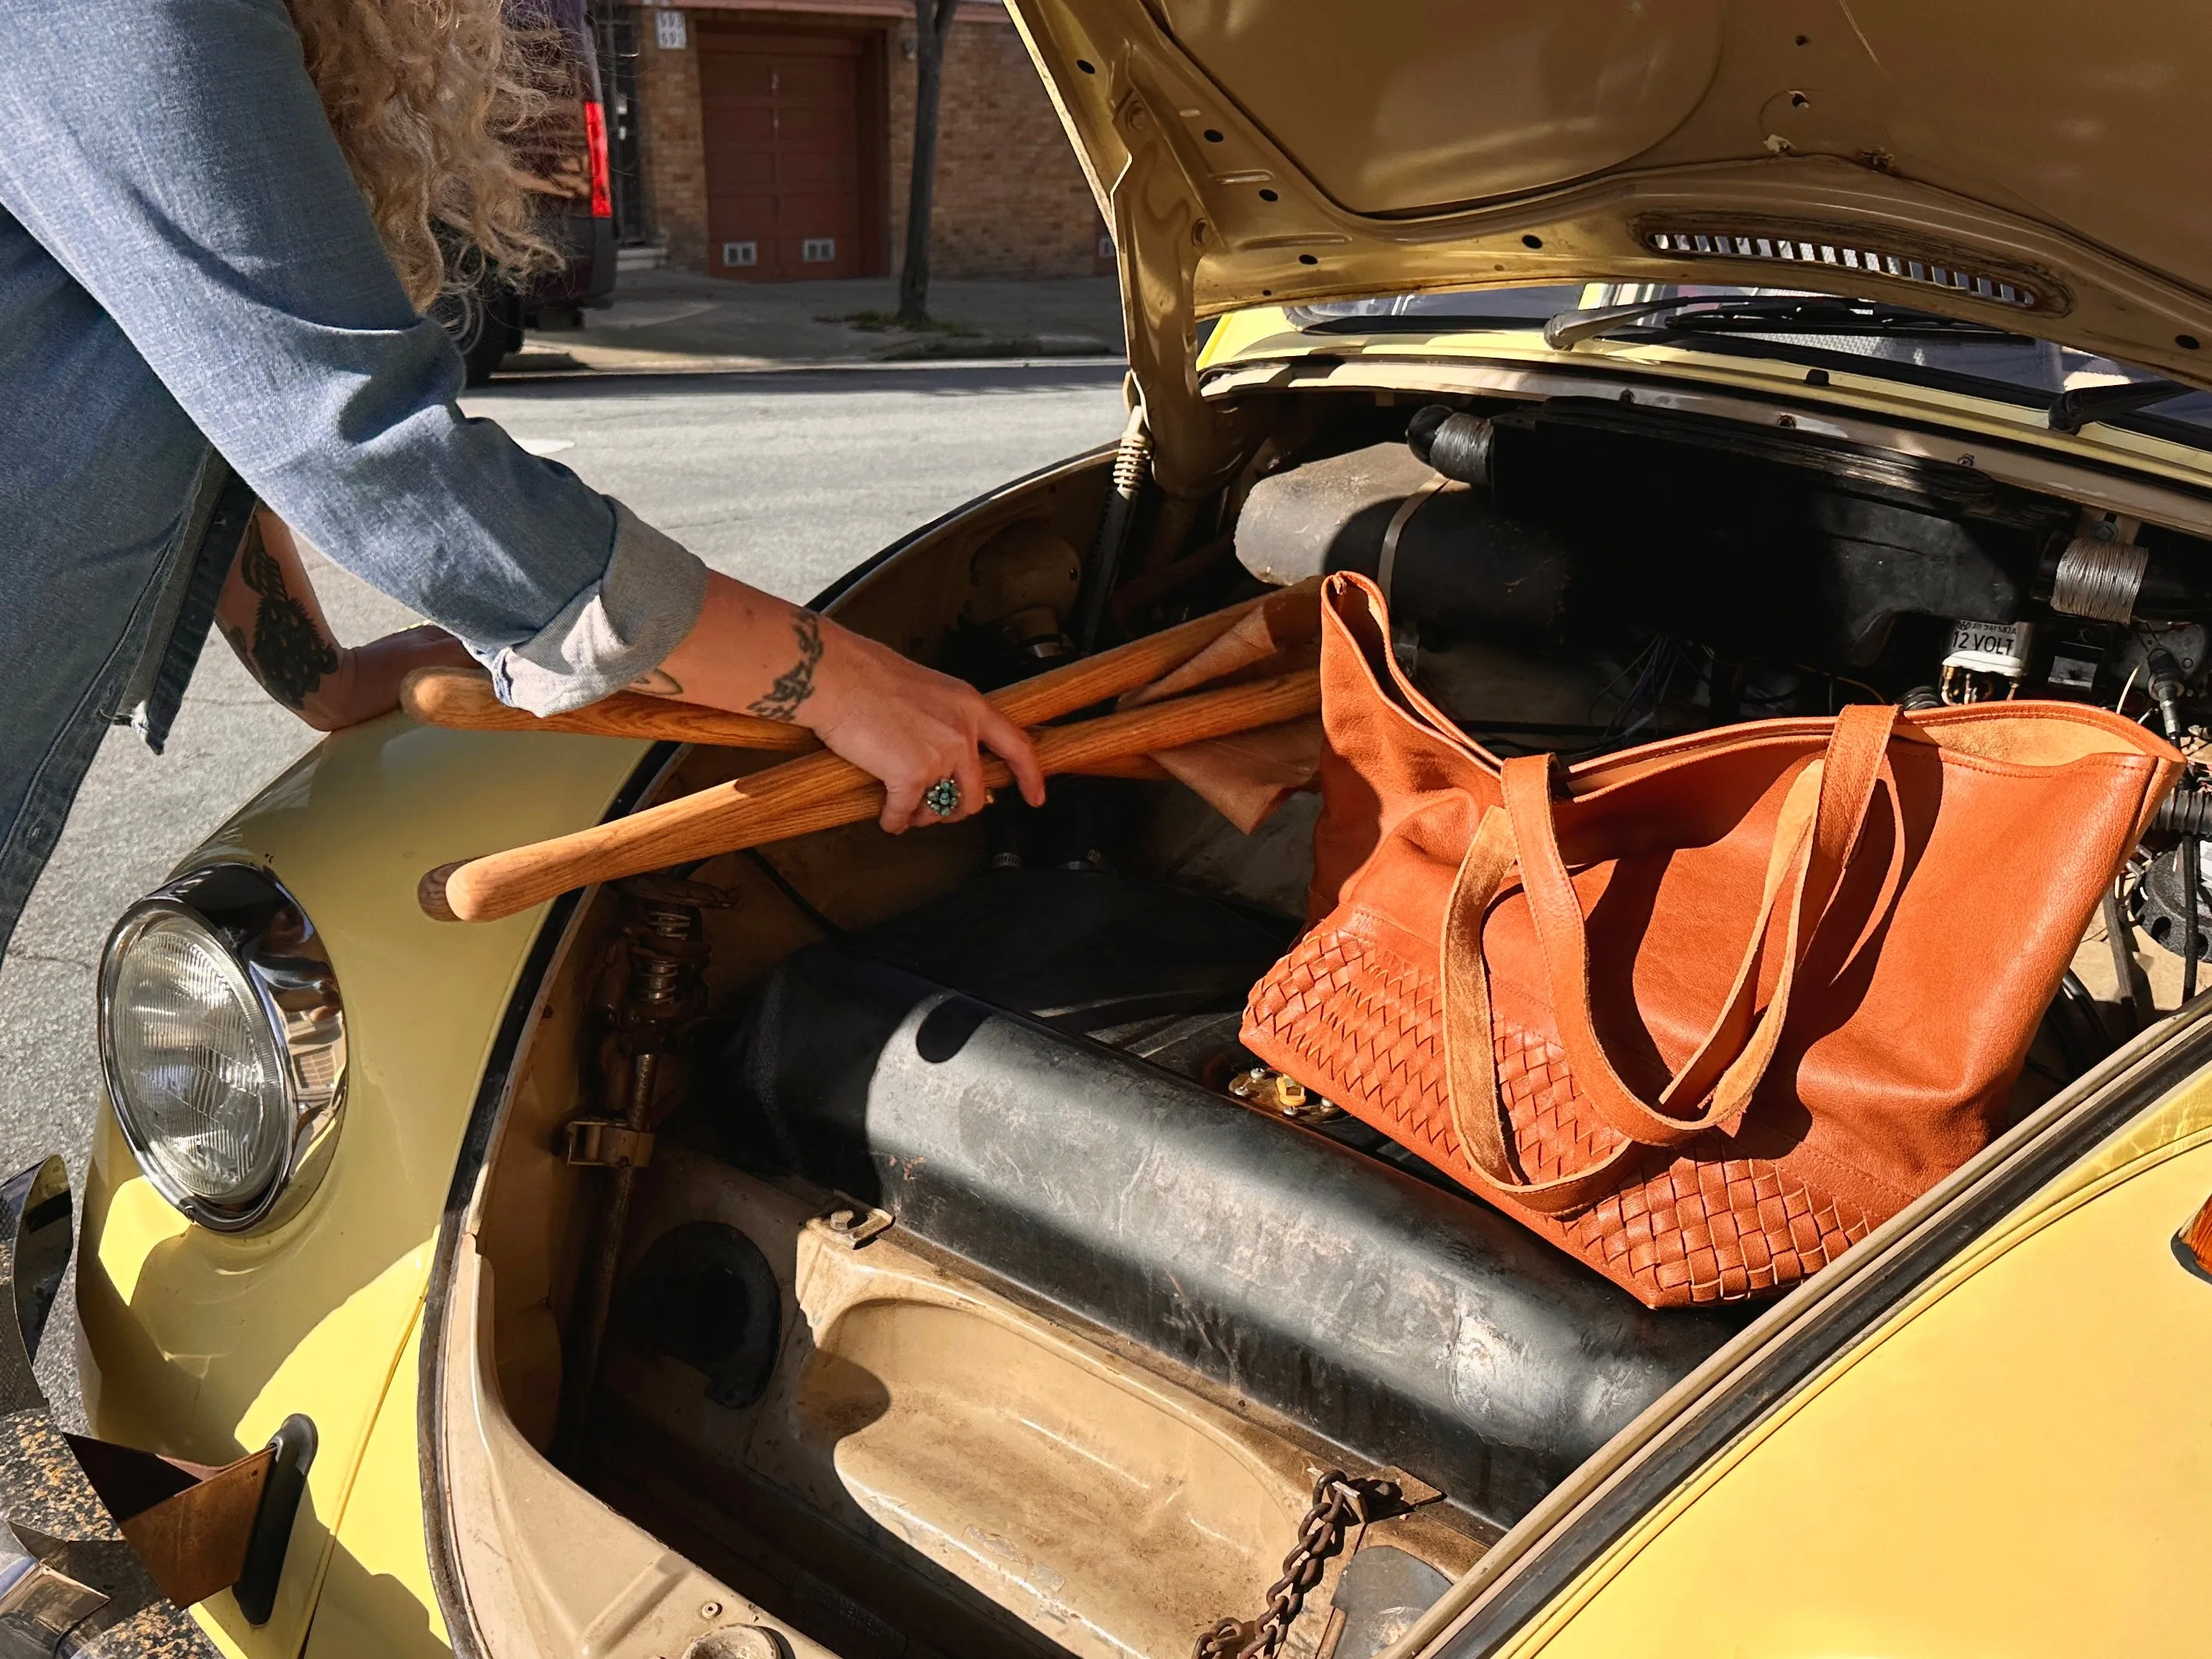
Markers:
(932, 20)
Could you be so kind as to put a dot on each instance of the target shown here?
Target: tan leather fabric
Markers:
(1246, 777)
(1704, 1012)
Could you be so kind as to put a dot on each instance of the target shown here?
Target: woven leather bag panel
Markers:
(1347, 1012)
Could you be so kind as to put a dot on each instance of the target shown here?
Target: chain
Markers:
(1338, 1500)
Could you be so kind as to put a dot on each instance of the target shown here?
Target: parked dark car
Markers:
(567, 151)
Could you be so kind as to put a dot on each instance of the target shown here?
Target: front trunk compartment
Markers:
(962, 1310)
(975, 1297)
(1058, 1337)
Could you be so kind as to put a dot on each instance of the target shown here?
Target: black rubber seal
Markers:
(295, 1442)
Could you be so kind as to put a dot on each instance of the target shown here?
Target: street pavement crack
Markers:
(16, 955)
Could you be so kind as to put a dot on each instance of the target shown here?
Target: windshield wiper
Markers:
(2072, 410)
(1568, 329)
(1565, 330)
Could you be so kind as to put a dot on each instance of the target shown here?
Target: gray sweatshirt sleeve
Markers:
(174, 157)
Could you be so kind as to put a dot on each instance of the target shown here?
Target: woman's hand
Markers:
(366, 682)
(910, 726)
(269, 613)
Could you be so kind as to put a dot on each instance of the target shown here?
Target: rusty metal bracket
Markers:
(1391, 1491)
(853, 1224)
(202, 1528)
(607, 1143)
(189, 1521)
(1281, 1096)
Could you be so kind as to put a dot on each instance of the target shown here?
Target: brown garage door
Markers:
(783, 129)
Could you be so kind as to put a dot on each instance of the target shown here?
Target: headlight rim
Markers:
(269, 938)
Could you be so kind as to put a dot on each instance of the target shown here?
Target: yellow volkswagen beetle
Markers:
(880, 1247)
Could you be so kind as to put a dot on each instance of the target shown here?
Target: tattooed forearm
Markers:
(242, 644)
(289, 653)
(796, 684)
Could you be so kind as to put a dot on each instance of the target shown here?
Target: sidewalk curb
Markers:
(709, 365)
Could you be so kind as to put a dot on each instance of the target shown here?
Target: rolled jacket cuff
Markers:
(615, 632)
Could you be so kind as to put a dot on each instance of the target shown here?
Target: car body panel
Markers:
(143, 1387)
(2016, 1458)
(1276, 149)
(377, 1598)
(586, 276)
(198, 1344)
(1425, 146)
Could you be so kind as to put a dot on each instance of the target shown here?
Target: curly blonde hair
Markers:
(429, 100)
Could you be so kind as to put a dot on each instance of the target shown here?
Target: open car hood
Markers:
(2028, 163)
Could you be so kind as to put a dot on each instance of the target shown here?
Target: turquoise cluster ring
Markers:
(943, 797)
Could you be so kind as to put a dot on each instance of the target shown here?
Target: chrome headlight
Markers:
(223, 1043)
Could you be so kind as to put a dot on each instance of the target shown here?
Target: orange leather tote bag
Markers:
(1706, 1011)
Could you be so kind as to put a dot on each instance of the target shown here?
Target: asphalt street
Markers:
(785, 480)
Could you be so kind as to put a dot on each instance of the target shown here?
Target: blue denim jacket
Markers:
(189, 278)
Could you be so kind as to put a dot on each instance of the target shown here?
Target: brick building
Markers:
(771, 140)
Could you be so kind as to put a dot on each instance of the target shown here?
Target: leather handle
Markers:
(1813, 847)
(1470, 1037)
(1734, 1055)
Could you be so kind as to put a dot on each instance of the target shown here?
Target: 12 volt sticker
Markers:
(1991, 648)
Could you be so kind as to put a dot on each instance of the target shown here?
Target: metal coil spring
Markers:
(1132, 461)
(2100, 580)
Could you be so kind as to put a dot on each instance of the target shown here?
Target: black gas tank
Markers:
(1405, 1322)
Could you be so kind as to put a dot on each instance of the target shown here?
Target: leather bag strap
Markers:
(1470, 1038)
(1815, 835)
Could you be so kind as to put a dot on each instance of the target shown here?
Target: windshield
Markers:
(1911, 345)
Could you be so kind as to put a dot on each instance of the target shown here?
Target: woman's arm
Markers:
(749, 652)
(270, 615)
(174, 157)
(910, 725)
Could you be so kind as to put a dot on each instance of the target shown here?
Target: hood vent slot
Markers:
(1847, 256)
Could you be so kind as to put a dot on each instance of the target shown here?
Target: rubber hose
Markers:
(1456, 445)
(1132, 469)
(2092, 1040)
(2184, 811)
(2189, 880)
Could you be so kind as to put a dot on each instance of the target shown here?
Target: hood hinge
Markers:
(1160, 233)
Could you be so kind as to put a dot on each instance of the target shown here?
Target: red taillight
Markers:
(595, 136)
